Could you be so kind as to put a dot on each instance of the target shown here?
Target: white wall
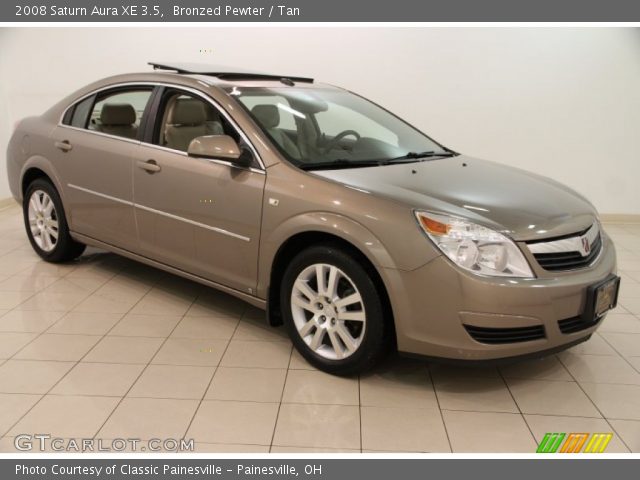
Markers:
(561, 102)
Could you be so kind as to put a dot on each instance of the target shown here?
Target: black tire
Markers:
(66, 248)
(378, 332)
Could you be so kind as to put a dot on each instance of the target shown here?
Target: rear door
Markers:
(95, 144)
(199, 215)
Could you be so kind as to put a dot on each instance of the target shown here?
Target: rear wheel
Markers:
(46, 223)
(333, 311)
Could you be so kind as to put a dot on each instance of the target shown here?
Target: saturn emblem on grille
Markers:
(586, 248)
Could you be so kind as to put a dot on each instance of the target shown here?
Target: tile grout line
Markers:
(39, 261)
(215, 370)
(624, 357)
(502, 412)
(593, 402)
(46, 330)
(259, 402)
(76, 363)
(284, 386)
(163, 364)
(632, 366)
(61, 361)
(524, 419)
(435, 392)
(581, 416)
(33, 294)
(144, 369)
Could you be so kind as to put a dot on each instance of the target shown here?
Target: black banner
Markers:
(319, 11)
(317, 469)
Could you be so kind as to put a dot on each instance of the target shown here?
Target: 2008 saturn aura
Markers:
(349, 226)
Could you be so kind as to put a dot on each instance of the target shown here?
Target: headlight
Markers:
(473, 247)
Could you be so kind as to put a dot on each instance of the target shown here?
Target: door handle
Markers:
(64, 145)
(150, 166)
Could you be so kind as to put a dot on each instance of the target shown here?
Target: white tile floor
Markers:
(108, 348)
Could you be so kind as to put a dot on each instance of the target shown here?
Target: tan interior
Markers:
(118, 119)
(187, 118)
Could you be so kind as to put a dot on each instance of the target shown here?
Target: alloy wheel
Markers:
(43, 220)
(328, 311)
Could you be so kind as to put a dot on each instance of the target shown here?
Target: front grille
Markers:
(576, 324)
(569, 260)
(495, 336)
(569, 252)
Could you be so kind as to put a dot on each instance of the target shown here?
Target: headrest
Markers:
(187, 112)
(117, 114)
(211, 113)
(267, 115)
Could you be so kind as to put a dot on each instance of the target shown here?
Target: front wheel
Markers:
(332, 309)
(46, 223)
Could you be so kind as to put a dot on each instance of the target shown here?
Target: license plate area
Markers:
(601, 298)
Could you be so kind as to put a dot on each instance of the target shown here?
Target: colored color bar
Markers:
(550, 442)
(598, 442)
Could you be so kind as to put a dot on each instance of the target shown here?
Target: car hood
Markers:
(521, 204)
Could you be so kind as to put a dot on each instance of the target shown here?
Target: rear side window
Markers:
(119, 112)
(77, 115)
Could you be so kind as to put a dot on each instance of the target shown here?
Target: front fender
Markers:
(323, 222)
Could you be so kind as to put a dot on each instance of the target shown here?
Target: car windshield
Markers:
(318, 128)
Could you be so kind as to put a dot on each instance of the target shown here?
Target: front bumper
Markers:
(434, 307)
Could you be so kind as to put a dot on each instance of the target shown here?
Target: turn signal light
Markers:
(432, 226)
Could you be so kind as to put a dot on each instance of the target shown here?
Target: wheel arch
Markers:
(343, 233)
(39, 167)
(29, 176)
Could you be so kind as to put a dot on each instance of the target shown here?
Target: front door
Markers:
(195, 214)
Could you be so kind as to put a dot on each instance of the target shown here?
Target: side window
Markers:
(183, 117)
(119, 113)
(76, 116)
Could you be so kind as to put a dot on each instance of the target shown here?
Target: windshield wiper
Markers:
(344, 163)
(339, 163)
(419, 155)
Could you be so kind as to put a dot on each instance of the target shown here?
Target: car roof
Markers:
(190, 75)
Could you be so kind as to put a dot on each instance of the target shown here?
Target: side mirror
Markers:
(220, 147)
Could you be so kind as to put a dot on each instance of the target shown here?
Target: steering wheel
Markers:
(333, 143)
